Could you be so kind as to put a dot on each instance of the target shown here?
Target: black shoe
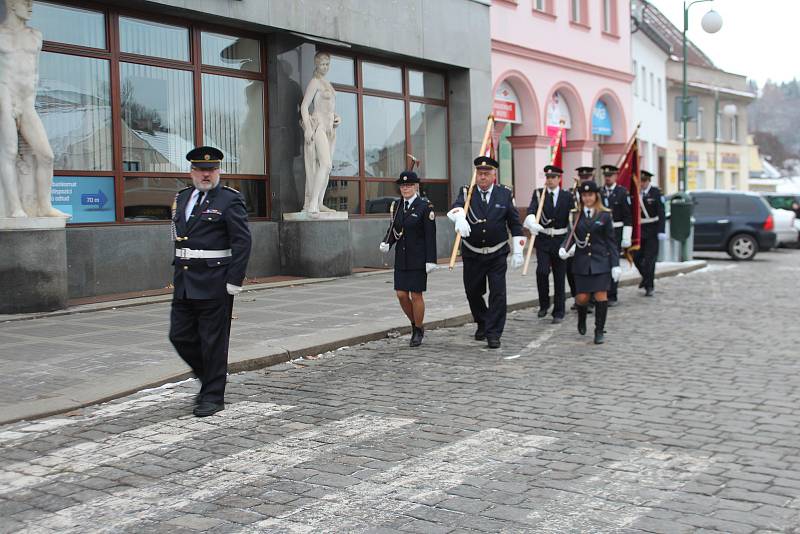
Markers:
(612, 303)
(493, 343)
(641, 285)
(582, 311)
(542, 313)
(600, 322)
(204, 409)
(416, 336)
(480, 333)
(574, 306)
(557, 320)
(648, 292)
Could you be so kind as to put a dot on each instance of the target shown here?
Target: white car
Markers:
(786, 227)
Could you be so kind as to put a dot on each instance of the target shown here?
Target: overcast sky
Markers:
(759, 38)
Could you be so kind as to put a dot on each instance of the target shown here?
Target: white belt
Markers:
(618, 224)
(553, 231)
(648, 220)
(485, 250)
(188, 254)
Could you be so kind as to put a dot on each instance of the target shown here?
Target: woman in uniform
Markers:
(596, 257)
(413, 234)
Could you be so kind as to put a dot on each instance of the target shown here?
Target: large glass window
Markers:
(172, 92)
(378, 132)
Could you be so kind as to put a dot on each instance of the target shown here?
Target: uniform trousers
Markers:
(645, 260)
(612, 289)
(200, 332)
(547, 260)
(478, 271)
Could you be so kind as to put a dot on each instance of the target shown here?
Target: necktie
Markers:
(407, 205)
(199, 197)
(552, 198)
(483, 195)
(588, 213)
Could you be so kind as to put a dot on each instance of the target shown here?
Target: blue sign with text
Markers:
(86, 199)
(601, 121)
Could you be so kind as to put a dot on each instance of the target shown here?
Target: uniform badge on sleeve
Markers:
(431, 216)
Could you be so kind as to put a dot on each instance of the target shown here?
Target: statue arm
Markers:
(308, 97)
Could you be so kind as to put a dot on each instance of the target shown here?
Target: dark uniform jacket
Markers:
(417, 244)
(619, 203)
(654, 204)
(552, 218)
(600, 252)
(490, 221)
(221, 224)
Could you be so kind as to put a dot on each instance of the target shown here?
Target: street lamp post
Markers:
(712, 22)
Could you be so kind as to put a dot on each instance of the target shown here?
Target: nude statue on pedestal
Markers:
(320, 135)
(26, 195)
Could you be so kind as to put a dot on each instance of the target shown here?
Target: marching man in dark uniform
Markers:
(584, 174)
(413, 232)
(550, 233)
(484, 226)
(212, 247)
(596, 265)
(653, 231)
(617, 199)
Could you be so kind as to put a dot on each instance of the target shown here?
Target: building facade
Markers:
(556, 61)
(127, 89)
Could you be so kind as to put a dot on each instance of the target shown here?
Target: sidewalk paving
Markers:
(55, 363)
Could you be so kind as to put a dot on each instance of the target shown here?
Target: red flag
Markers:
(556, 157)
(629, 179)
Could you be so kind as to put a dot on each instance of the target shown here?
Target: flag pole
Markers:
(486, 137)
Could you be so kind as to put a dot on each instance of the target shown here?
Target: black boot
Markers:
(600, 310)
(582, 311)
(416, 336)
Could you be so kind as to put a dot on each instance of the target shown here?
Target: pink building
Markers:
(558, 60)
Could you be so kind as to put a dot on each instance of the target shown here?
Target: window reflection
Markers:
(345, 155)
(73, 101)
(153, 39)
(70, 25)
(429, 138)
(438, 194)
(342, 70)
(157, 117)
(254, 193)
(231, 52)
(384, 137)
(426, 84)
(150, 199)
(233, 121)
(379, 197)
(381, 77)
(343, 195)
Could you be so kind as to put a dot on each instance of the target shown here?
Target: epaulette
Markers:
(230, 188)
(185, 188)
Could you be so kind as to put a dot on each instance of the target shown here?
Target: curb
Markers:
(81, 399)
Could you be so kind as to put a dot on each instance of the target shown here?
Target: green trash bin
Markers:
(681, 208)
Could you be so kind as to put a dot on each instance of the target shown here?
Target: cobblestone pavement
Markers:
(686, 420)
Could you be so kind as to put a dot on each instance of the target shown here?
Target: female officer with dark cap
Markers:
(413, 232)
(596, 263)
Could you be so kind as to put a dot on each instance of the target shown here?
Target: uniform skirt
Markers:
(592, 283)
(415, 280)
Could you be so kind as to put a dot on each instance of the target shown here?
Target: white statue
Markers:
(22, 135)
(320, 135)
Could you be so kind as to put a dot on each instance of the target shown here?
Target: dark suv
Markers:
(739, 223)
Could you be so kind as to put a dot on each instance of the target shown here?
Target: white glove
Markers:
(384, 247)
(627, 232)
(232, 289)
(430, 267)
(616, 272)
(564, 253)
(458, 216)
(531, 224)
(662, 236)
(519, 246)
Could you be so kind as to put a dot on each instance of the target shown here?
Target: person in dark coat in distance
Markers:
(653, 224)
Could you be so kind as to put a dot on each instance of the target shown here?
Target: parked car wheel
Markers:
(742, 247)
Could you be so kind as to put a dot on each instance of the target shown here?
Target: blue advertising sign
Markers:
(86, 199)
(601, 121)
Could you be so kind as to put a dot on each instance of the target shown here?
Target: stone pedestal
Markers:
(33, 264)
(317, 249)
(321, 216)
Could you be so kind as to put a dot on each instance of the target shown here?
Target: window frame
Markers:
(113, 54)
(405, 96)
